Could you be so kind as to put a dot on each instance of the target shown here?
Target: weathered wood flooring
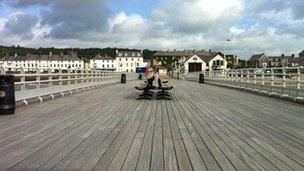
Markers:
(204, 128)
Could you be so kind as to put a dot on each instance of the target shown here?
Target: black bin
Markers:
(123, 78)
(7, 94)
(140, 77)
(201, 78)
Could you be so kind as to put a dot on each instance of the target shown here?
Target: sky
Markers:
(254, 26)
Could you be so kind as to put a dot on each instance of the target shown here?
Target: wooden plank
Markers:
(170, 160)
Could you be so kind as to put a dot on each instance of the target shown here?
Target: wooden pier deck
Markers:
(204, 127)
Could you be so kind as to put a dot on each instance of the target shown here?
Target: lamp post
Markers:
(227, 40)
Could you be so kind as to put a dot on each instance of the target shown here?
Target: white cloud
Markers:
(201, 15)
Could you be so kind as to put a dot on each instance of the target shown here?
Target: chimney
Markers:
(51, 53)
(292, 55)
(210, 50)
(283, 55)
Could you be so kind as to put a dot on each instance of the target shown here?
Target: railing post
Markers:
(3, 71)
(22, 79)
(254, 78)
(76, 76)
(298, 81)
(69, 76)
(263, 80)
(242, 75)
(284, 80)
(237, 78)
(60, 76)
(247, 78)
(38, 78)
(82, 75)
(271, 80)
(50, 77)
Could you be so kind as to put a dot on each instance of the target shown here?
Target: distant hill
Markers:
(83, 53)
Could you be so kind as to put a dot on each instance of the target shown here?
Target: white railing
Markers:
(285, 82)
(36, 83)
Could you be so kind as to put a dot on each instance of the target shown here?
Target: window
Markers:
(103, 65)
(126, 59)
(131, 64)
(126, 64)
(131, 70)
(127, 70)
(120, 65)
(119, 59)
(108, 61)
(108, 66)
(50, 65)
(112, 66)
(222, 62)
(138, 64)
(132, 59)
(138, 59)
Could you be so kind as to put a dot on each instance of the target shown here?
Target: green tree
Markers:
(168, 62)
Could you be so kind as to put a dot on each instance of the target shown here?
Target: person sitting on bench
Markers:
(147, 93)
(163, 94)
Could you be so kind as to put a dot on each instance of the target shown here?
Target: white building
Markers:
(127, 61)
(31, 62)
(196, 61)
(103, 63)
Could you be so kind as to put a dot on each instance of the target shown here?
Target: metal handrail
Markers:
(280, 81)
(37, 82)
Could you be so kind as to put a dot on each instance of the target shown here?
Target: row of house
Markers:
(263, 61)
(125, 61)
(30, 62)
(192, 61)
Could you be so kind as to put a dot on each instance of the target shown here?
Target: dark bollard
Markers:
(7, 94)
(201, 78)
(140, 77)
(123, 78)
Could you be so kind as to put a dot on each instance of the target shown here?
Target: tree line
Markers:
(83, 53)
